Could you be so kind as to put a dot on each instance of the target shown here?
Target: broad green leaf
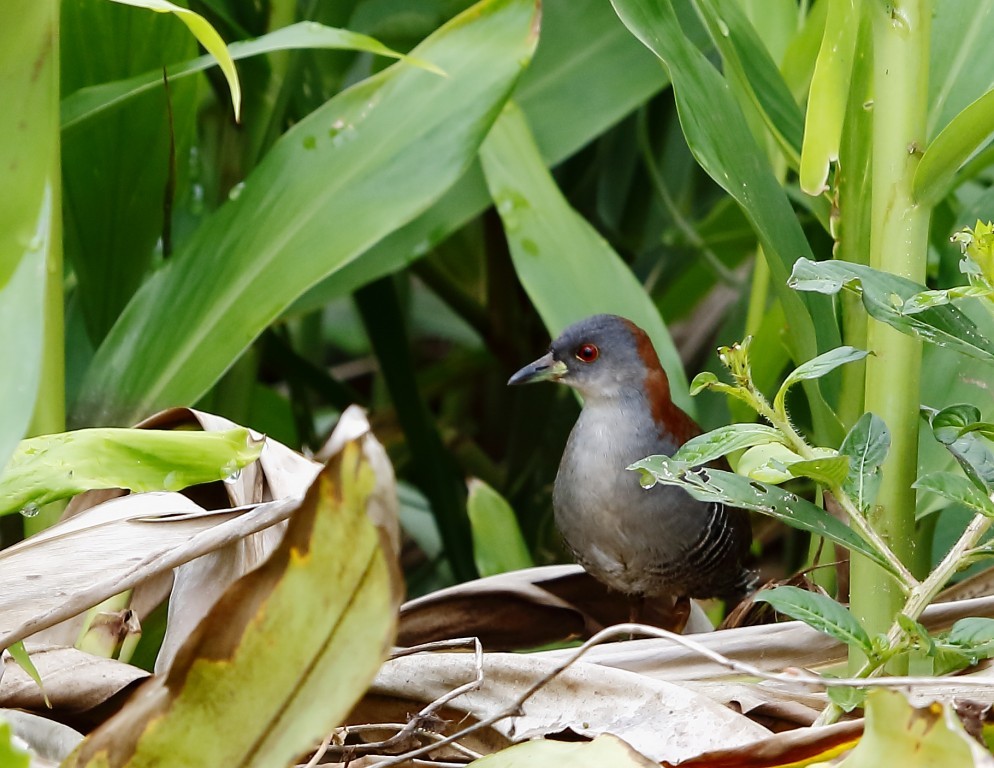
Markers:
(29, 153)
(605, 750)
(705, 448)
(313, 623)
(722, 143)
(820, 612)
(91, 101)
(738, 491)
(354, 170)
(51, 467)
(10, 755)
(816, 368)
(884, 296)
(206, 35)
(747, 59)
(829, 94)
(587, 74)
(957, 488)
(541, 226)
(830, 471)
(901, 735)
(498, 546)
(866, 445)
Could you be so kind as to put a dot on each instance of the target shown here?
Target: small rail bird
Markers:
(641, 542)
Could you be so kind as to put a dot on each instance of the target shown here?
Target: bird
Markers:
(642, 542)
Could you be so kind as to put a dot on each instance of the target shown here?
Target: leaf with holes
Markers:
(738, 491)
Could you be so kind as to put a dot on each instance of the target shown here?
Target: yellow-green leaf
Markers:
(602, 751)
(285, 653)
(51, 467)
(206, 35)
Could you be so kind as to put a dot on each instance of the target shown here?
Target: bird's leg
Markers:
(635, 605)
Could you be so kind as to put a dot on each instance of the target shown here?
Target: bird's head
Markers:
(602, 357)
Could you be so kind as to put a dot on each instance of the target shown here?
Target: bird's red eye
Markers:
(587, 353)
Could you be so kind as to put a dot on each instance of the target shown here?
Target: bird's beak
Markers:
(546, 368)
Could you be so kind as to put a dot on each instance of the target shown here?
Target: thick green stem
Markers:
(898, 244)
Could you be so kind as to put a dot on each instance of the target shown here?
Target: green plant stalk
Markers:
(898, 244)
(50, 406)
(919, 599)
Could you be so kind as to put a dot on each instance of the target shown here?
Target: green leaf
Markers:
(352, 171)
(738, 491)
(829, 95)
(746, 57)
(974, 634)
(884, 296)
(584, 49)
(968, 132)
(540, 226)
(29, 151)
(206, 35)
(722, 143)
(845, 697)
(605, 750)
(768, 463)
(314, 622)
(866, 445)
(498, 546)
(958, 489)
(951, 427)
(51, 467)
(10, 755)
(712, 445)
(819, 612)
(89, 102)
(20, 655)
(816, 368)
(830, 471)
(917, 631)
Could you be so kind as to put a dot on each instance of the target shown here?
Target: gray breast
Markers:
(636, 540)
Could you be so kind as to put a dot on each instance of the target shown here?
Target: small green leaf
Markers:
(952, 427)
(705, 448)
(956, 488)
(20, 655)
(819, 612)
(51, 467)
(207, 36)
(866, 445)
(975, 634)
(705, 380)
(498, 545)
(830, 471)
(768, 463)
(845, 697)
(916, 631)
(816, 368)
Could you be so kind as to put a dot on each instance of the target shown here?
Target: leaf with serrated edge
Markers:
(313, 623)
(820, 612)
